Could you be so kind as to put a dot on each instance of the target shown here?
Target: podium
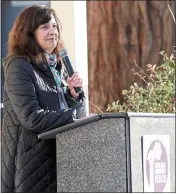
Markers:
(102, 153)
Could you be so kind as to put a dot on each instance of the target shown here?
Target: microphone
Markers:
(64, 56)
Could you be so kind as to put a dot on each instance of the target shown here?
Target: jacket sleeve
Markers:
(22, 94)
(80, 103)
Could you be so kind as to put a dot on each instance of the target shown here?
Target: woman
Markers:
(38, 96)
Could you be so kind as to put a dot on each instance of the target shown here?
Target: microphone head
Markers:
(63, 53)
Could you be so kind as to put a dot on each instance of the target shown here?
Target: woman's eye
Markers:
(54, 26)
(44, 26)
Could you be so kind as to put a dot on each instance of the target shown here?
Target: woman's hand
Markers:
(74, 81)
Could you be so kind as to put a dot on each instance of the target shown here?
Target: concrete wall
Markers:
(148, 124)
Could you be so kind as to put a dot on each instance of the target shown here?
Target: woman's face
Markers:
(46, 35)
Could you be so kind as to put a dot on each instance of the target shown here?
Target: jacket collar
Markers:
(43, 67)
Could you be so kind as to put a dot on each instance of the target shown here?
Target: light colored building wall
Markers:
(65, 12)
(72, 15)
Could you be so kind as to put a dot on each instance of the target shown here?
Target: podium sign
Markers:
(156, 163)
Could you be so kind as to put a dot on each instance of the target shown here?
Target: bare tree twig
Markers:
(96, 107)
(172, 13)
(143, 71)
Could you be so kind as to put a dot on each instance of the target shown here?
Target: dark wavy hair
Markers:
(21, 39)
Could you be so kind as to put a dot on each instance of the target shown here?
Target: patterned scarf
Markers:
(52, 61)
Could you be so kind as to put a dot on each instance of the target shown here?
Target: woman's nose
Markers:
(52, 31)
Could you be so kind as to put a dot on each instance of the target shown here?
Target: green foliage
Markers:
(158, 93)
